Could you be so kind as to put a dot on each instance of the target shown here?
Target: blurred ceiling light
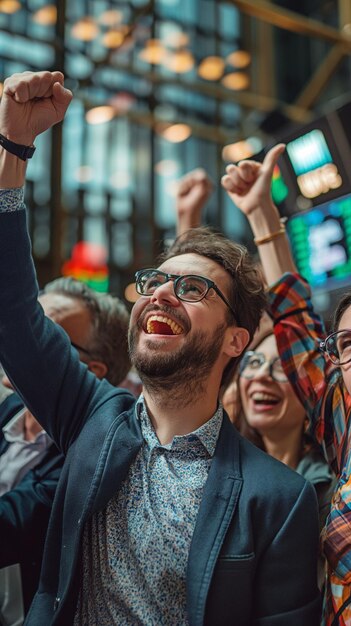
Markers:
(176, 132)
(239, 58)
(179, 62)
(130, 293)
(100, 115)
(176, 39)
(120, 180)
(85, 29)
(83, 174)
(9, 6)
(46, 16)
(166, 167)
(237, 151)
(111, 17)
(236, 81)
(113, 38)
(122, 101)
(242, 149)
(211, 68)
(153, 53)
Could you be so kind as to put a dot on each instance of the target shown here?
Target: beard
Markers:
(178, 376)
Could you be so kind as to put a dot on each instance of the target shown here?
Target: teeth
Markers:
(260, 396)
(176, 329)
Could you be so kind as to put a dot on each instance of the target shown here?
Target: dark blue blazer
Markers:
(25, 510)
(253, 556)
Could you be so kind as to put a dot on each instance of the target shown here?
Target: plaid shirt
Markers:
(319, 386)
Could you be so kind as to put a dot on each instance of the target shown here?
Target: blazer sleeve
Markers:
(286, 580)
(35, 352)
(25, 511)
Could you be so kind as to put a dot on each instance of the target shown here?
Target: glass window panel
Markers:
(95, 231)
(122, 248)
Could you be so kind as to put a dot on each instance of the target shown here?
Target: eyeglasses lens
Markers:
(252, 365)
(339, 347)
(191, 288)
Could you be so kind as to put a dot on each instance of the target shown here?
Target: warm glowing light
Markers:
(241, 149)
(237, 151)
(122, 101)
(84, 174)
(166, 167)
(321, 180)
(179, 62)
(211, 68)
(100, 115)
(176, 39)
(113, 38)
(130, 293)
(176, 132)
(236, 81)
(153, 53)
(111, 17)
(85, 29)
(9, 6)
(1, 89)
(239, 58)
(46, 16)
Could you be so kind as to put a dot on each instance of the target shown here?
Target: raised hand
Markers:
(31, 103)
(248, 184)
(193, 191)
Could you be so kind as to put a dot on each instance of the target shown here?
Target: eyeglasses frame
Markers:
(176, 278)
(270, 366)
(324, 349)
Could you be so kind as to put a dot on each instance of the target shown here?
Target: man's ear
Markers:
(237, 341)
(98, 368)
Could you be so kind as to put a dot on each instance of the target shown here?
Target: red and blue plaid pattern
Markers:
(320, 387)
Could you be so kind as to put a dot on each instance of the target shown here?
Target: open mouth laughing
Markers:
(158, 324)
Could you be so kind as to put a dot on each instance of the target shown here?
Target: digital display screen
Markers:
(321, 243)
(308, 152)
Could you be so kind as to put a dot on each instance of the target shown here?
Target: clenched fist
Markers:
(31, 103)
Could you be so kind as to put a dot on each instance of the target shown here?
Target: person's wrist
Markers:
(264, 218)
(12, 170)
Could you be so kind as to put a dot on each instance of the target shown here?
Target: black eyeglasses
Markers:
(80, 349)
(189, 288)
(338, 347)
(253, 362)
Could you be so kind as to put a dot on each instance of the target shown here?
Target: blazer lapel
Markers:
(217, 508)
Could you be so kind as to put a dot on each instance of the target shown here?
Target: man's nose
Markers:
(165, 293)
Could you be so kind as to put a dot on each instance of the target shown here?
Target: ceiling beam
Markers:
(292, 21)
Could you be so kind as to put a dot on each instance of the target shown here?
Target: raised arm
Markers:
(298, 329)
(248, 184)
(35, 353)
(30, 104)
(193, 191)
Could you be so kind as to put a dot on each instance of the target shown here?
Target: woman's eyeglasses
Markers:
(252, 363)
(338, 347)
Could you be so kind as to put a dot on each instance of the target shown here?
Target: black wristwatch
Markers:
(22, 152)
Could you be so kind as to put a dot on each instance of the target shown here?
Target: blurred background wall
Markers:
(165, 86)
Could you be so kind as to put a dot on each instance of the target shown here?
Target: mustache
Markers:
(155, 308)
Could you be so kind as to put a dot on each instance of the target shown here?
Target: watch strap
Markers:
(22, 152)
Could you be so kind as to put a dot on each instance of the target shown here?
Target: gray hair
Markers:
(110, 319)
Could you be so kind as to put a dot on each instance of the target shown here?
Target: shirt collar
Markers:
(207, 434)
